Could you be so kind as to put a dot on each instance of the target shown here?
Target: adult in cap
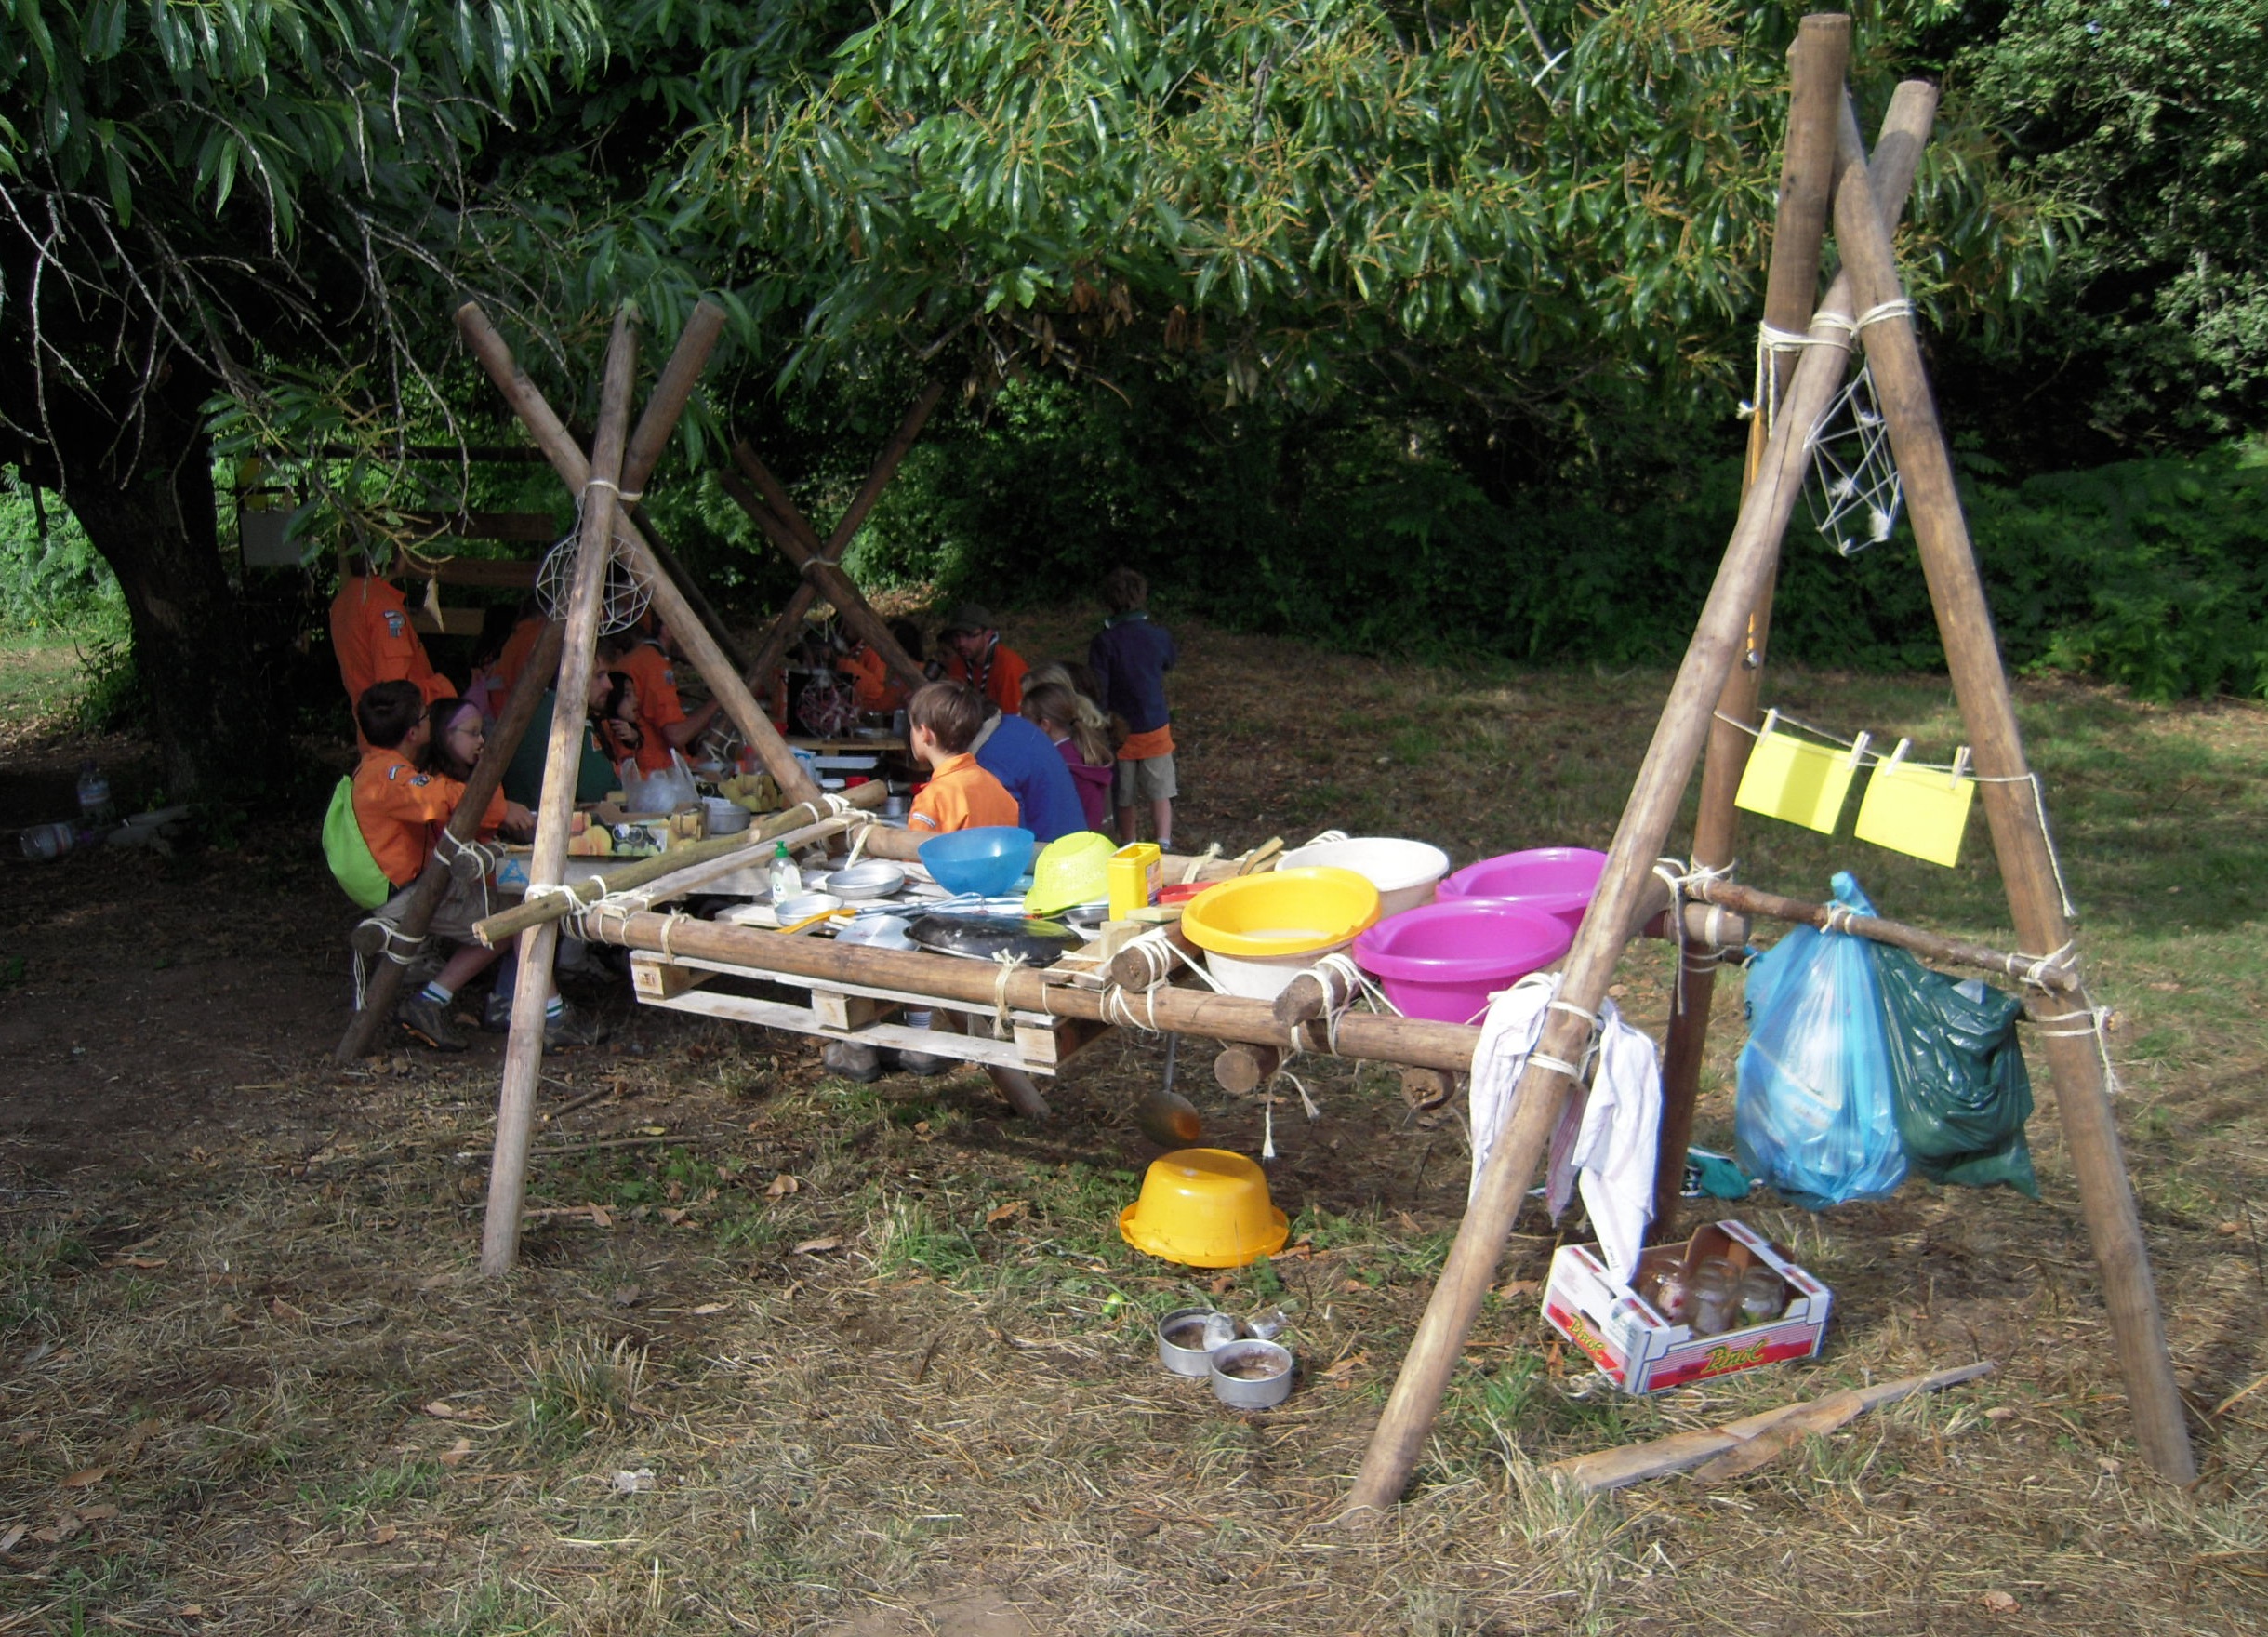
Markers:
(975, 654)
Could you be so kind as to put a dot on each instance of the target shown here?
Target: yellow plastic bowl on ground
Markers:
(1205, 1207)
(1259, 932)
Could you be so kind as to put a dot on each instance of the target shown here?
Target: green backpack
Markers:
(350, 854)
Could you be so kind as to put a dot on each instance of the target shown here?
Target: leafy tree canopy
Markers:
(1508, 198)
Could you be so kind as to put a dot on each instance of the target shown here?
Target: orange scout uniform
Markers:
(960, 795)
(871, 680)
(658, 706)
(518, 650)
(999, 675)
(371, 633)
(397, 806)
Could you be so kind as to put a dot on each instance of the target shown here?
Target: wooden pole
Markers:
(1816, 64)
(777, 641)
(1918, 940)
(567, 458)
(836, 586)
(497, 751)
(553, 907)
(563, 757)
(1372, 1037)
(2014, 809)
(1542, 1090)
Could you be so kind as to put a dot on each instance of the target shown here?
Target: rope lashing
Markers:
(393, 944)
(1010, 964)
(1578, 1072)
(2094, 1020)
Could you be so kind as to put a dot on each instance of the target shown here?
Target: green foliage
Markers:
(2150, 120)
(51, 578)
(1503, 200)
(1367, 533)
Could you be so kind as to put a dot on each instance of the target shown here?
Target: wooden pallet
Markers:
(1035, 1042)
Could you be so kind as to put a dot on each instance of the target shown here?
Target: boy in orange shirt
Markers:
(647, 661)
(944, 718)
(399, 809)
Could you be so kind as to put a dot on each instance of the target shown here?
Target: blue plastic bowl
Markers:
(985, 860)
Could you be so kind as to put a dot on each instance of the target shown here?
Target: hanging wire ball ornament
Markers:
(1855, 502)
(623, 601)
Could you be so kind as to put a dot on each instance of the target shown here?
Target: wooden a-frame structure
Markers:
(1865, 303)
(1828, 180)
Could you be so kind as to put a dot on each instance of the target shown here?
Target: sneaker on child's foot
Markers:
(428, 1020)
(569, 1027)
(923, 1063)
(848, 1060)
(496, 1016)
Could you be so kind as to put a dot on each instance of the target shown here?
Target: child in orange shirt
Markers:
(944, 718)
(398, 808)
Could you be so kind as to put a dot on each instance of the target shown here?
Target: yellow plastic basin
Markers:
(1205, 1207)
(1284, 912)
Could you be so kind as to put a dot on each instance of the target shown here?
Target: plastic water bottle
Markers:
(787, 880)
(94, 793)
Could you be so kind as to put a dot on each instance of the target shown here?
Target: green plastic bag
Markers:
(1957, 1075)
(349, 854)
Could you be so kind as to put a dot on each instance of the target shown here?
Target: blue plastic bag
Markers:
(1817, 1115)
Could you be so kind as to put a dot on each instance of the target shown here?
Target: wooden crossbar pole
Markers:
(773, 650)
(563, 757)
(496, 752)
(2016, 813)
(1542, 1090)
(1816, 63)
(568, 459)
(817, 570)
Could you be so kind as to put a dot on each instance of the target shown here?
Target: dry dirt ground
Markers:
(792, 1355)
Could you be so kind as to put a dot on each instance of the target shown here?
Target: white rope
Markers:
(393, 942)
(2046, 836)
(2094, 1020)
(1010, 964)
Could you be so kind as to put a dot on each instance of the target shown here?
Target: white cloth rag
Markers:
(1608, 1135)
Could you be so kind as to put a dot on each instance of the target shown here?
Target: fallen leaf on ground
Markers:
(672, 1216)
(139, 1263)
(192, 1611)
(87, 1478)
(636, 1482)
(1220, 1286)
(1353, 1286)
(1009, 1212)
(599, 1215)
(710, 1306)
(455, 1455)
(386, 1532)
(812, 1246)
(443, 1412)
(2001, 1412)
(98, 1514)
(652, 1131)
(1514, 1289)
(2000, 1602)
(8, 1542)
(284, 1310)
(782, 1185)
(1344, 1366)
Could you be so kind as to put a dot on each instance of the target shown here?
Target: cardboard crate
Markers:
(1640, 1352)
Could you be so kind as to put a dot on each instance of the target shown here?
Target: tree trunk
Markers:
(149, 511)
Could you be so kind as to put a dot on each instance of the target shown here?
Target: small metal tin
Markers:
(1185, 1361)
(1250, 1393)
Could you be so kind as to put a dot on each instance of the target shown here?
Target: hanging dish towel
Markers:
(1606, 1142)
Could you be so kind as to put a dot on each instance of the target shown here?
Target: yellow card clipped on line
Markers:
(1795, 781)
(1919, 811)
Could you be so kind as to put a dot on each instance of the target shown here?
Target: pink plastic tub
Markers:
(1442, 961)
(1558, 881)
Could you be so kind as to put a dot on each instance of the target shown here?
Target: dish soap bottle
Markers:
(787, 880)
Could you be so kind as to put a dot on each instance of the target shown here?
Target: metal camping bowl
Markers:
(804, 905)
(1185, 1361)
(873, 879)
(1267, 1383)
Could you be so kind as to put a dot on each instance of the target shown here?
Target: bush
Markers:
(51, 578)
(1366, 535)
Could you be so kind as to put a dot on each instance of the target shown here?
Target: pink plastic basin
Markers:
(1442, 961)
(1558, 881)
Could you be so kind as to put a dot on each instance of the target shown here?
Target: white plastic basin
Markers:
(1405, 873)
